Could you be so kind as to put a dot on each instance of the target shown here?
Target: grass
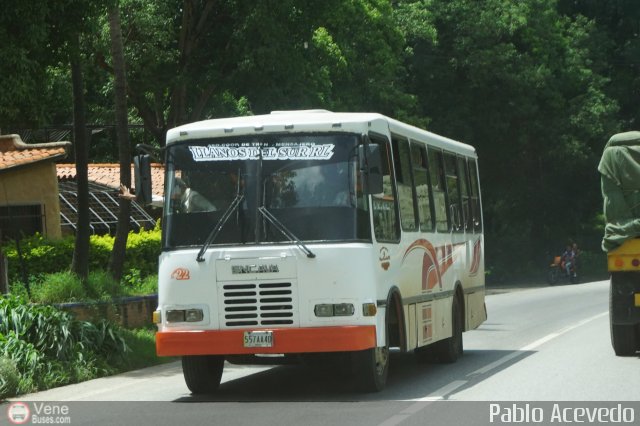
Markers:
(42, 347)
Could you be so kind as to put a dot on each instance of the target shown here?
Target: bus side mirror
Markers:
(371, 167)
(142, 172)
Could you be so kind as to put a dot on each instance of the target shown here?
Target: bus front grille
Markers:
(260, 304)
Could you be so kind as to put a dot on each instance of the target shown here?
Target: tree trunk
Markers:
(116, 262)
(80, 262)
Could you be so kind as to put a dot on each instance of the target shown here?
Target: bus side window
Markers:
(406, 190)
(436, 171)
(423, 190)
(384, 208)
(463, 172)
(453, 191)
(475, 196)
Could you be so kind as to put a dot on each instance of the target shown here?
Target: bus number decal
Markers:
(180, 274)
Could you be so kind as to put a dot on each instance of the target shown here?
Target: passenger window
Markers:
(436, 172)
(423, 191)
(476, 213)
(406, 193)
(453, 191)
(463, 172)
(385, 218)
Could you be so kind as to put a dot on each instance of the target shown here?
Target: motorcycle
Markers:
(558, 272)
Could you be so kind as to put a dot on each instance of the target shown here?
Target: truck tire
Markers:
(624, 337)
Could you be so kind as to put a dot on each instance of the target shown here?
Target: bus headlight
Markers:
(175, 315)
(343, 309)
(334, 310)
(184, 315)
(193, 315)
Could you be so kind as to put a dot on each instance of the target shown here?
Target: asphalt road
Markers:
(538, 344)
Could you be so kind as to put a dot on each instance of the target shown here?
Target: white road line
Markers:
(534, 345)
(442, 392)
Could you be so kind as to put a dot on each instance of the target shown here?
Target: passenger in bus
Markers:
(333, 190)
(188, 200)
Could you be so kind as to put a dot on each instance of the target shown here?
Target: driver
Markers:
(189, 200)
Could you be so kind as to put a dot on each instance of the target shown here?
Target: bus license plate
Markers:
(258, 339)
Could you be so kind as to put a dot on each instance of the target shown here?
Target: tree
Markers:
(122, 132)
(225, 58)
(515, 79)
(80, 262)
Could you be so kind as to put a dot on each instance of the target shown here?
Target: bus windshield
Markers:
(310, 183)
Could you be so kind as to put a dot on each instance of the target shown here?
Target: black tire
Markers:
(449, 350)
(202, 373)
(371, 366)
(624, 337)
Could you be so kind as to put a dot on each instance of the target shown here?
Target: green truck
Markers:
(620, 177)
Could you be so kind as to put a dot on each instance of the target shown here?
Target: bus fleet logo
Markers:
(292, 152)
(254, 269)
(180, 274)
(18, 413)
(385, 259)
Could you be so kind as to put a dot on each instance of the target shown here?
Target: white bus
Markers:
(308, 232)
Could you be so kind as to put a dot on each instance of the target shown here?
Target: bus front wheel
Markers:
(202, 373)
(371, 366)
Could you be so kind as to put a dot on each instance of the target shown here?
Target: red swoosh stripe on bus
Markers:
(433, 266)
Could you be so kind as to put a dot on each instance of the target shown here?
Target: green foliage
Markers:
(44, 256)
(50, 348)
(537, 86)
(143, 349)
(9, 378)
(64, 287)
(57, 288)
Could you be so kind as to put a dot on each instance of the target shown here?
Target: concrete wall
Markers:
(34, 184)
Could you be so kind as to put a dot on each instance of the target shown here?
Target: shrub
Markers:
(9, 378)
(102, 285)
(50, 348)
(44, 256)
(57, 288)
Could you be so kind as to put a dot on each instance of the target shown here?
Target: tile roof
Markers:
(15, 153)
(108, 174)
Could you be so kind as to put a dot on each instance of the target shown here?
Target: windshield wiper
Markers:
(280, 227)
(216, 230)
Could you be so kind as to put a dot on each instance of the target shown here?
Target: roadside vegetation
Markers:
(42, 345)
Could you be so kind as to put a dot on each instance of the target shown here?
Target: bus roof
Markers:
(308, 121)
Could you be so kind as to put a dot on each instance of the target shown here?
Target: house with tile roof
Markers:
(29, 199)
(104, 184)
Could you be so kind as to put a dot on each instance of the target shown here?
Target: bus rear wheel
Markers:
(449, 350)
(202, 373)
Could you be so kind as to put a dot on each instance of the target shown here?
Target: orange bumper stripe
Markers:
(285, 340)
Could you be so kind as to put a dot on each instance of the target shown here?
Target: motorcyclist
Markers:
(569, 260)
